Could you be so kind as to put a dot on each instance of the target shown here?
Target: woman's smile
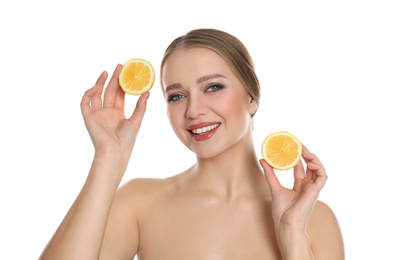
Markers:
(203, 131)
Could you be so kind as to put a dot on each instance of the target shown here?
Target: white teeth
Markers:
(205, 129)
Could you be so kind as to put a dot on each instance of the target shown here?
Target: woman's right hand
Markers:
(109, 129)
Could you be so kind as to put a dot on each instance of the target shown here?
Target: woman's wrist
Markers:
(108, 155)
(294, 244)
(110, 165)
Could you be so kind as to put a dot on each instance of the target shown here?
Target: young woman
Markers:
(223, 207)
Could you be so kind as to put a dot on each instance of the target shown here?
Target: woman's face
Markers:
(207, 105)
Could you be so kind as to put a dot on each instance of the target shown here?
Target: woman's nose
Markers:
(196, 107)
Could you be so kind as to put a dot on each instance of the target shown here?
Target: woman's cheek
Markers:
(230, 105)
(176, 118)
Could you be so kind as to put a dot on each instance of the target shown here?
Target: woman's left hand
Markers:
(291, 208)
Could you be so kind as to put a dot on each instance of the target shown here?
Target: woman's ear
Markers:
(252, 106)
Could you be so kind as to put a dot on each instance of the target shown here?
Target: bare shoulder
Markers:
(141, 184)
(134, 199)
(142, 193)
(143, 190)
(325, 233)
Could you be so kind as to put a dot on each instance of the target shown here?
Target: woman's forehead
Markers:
(193, 62)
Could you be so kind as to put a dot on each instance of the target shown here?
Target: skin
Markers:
(223, 207)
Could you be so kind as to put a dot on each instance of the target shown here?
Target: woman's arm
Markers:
(81, 233)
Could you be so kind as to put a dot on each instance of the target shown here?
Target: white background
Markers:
(326, 71)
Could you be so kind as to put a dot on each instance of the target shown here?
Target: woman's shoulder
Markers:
(322, 216)
(324, 232)
(144, 190)
(143, 183)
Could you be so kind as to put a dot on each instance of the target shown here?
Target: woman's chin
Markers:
(208, 152)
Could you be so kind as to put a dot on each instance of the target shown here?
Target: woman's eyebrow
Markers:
(173, 86)
(208, 77)
(198, 81)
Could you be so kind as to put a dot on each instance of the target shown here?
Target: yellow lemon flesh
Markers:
(136, 77)
(281, 150)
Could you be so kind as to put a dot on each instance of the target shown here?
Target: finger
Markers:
(119, 98)
(113, 85)
(299, 171)
(299, 175)
(139, 111)
(85, 102)
(319, 175)
(96, 99)
(272, 180)
(310, 157)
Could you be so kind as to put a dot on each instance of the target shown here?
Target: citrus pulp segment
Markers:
(136, 77)
(281, 150)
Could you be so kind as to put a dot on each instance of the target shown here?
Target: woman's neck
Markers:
(233, 173)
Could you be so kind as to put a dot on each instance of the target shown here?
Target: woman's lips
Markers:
(203, 131)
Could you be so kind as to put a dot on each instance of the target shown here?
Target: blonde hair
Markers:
(229, 48)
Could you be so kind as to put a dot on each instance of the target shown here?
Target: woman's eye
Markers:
(215, 87)
(175, 97)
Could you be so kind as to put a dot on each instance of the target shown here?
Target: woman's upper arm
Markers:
(121, 234)
(325, 234)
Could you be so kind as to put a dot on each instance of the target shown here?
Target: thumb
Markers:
(272, 180)
(139, 111)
